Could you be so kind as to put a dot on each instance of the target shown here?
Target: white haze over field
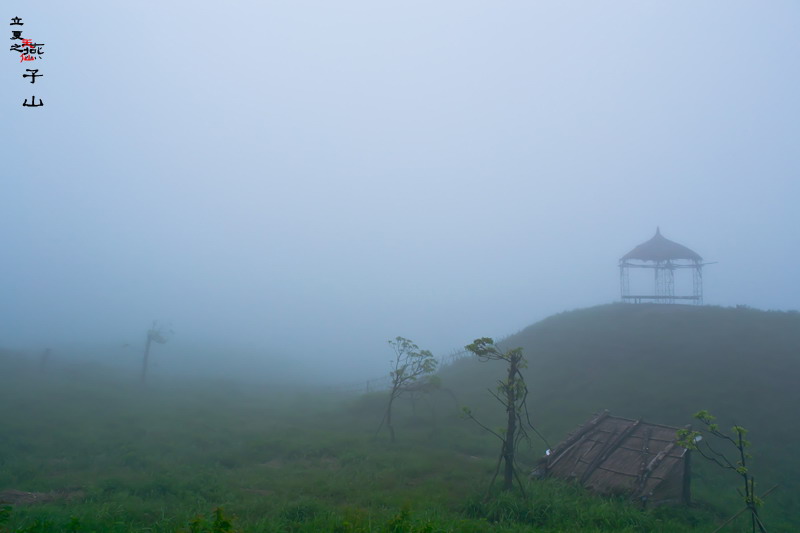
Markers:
(293, 183)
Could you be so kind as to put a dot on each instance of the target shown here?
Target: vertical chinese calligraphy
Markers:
(28, 50)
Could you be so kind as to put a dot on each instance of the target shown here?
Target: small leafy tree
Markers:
(220, 523)
(513, 393)
(696, 440)
(409, 365)
(158, 333)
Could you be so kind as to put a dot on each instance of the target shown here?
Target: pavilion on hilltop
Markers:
(664, 257)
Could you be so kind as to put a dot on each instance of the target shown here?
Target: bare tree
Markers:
(158, 333)
(409, 365)
(513, 393)
(693, 440)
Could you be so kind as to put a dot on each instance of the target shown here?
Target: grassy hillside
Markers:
(102, 453)
(664, 363)
(97, 452)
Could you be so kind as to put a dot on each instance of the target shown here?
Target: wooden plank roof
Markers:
(613, 455)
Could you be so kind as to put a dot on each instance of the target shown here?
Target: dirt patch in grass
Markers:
(20, 497)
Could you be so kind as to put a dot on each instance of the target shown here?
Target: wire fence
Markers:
(385, 382)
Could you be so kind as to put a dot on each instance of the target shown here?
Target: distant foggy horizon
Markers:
(300, 182)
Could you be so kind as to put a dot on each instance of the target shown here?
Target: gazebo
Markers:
(664, 257)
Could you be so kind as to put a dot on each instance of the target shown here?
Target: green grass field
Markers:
(110, 455)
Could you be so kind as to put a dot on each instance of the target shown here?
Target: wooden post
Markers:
(44, 359)
(146, 356)
(687, 477)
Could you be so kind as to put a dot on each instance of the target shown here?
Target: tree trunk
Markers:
(389, 417)
(146, 356)
(511, 425)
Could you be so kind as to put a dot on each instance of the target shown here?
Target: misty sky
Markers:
(307, 179)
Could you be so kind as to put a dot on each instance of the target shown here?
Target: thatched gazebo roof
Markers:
(660, 249)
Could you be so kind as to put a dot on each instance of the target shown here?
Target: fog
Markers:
(291, 184)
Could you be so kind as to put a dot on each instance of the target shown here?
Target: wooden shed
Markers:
(613, 455)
